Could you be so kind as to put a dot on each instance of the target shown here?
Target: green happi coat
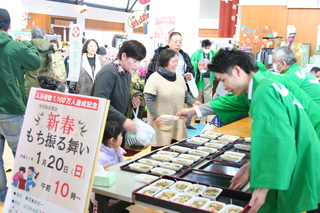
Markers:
(195, 58)
(285, 152)
(230, 106)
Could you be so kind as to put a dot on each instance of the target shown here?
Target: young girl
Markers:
(111, 153)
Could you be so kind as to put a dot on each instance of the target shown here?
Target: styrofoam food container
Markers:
(180, 186)
(166, 194)
(182, 161)
(199, 153)
(173, 166)
(231, 158)
(182, 197)
(220, 142)
(196, 189)
(162, 183)
(140, 167)
(189, 157)
(214, 145)
(162, 171)
(238, 154)
(213, 206)
(149, 190)
(149, 162)
(211, 192)
(145, 178)
(180, 149)
(247, 139)
(242, 147)
(197, 140)
(207, 149)
(174, 154)
(209, 136)
(162, 157)
(227, 209)
(198, 202)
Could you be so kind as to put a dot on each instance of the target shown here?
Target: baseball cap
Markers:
(4, 15)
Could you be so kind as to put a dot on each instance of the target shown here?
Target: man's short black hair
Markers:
(206, 43)
(226, 59)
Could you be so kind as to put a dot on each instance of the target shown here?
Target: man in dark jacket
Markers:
(15, 57)
(44, 47)
(185, 67)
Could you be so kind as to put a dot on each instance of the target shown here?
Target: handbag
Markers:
(144, 137)
(213, 124)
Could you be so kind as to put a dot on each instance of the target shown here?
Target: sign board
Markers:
(75, 40)
(58, 147)
(137, 19)
(163, 27)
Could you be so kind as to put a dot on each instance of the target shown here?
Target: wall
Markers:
(277, 18)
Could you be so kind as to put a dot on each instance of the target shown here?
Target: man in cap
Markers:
(15, 57)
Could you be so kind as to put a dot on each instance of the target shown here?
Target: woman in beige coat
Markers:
(165, 93)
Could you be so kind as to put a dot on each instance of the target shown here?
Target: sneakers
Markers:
(191, 127)
(6, 169)
(197, 121)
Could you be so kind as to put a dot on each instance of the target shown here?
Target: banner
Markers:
(57, 153)
(163, 27)
(75, 40)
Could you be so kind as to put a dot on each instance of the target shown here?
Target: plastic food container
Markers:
(180, 186)
(162, 157)
(182, 198)
(211, 192)
(196, 189)
(162, 171)
(166, 194)
(149, 162)
(179, 149)
(199, 153)
(144, 178)
(231, 158)
(198, 202)
(149, 190)
(162, 183)
(213, 206)
(182, 161)
(209, 136)
(229, 208)
(238, 154)
(173, 154)
(214, 145)
(172, 166)
(207, 149)
(220, 142)
(247, 139)
(140, 167)
(189, 157)
(242, 147)
(197, 140)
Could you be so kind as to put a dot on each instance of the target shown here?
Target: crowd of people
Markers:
(283, 105)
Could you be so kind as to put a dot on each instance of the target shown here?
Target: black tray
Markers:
(227, 196)
(193, 146)
(220, 168)
(178, 173)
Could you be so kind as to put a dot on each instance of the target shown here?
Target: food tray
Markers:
(220, 167)
(239, 198)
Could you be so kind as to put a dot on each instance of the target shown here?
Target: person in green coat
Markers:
(284, 157)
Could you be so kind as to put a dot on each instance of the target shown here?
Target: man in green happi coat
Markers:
(285, 156)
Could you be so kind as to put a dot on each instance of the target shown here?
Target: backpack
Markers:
(56, 65)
